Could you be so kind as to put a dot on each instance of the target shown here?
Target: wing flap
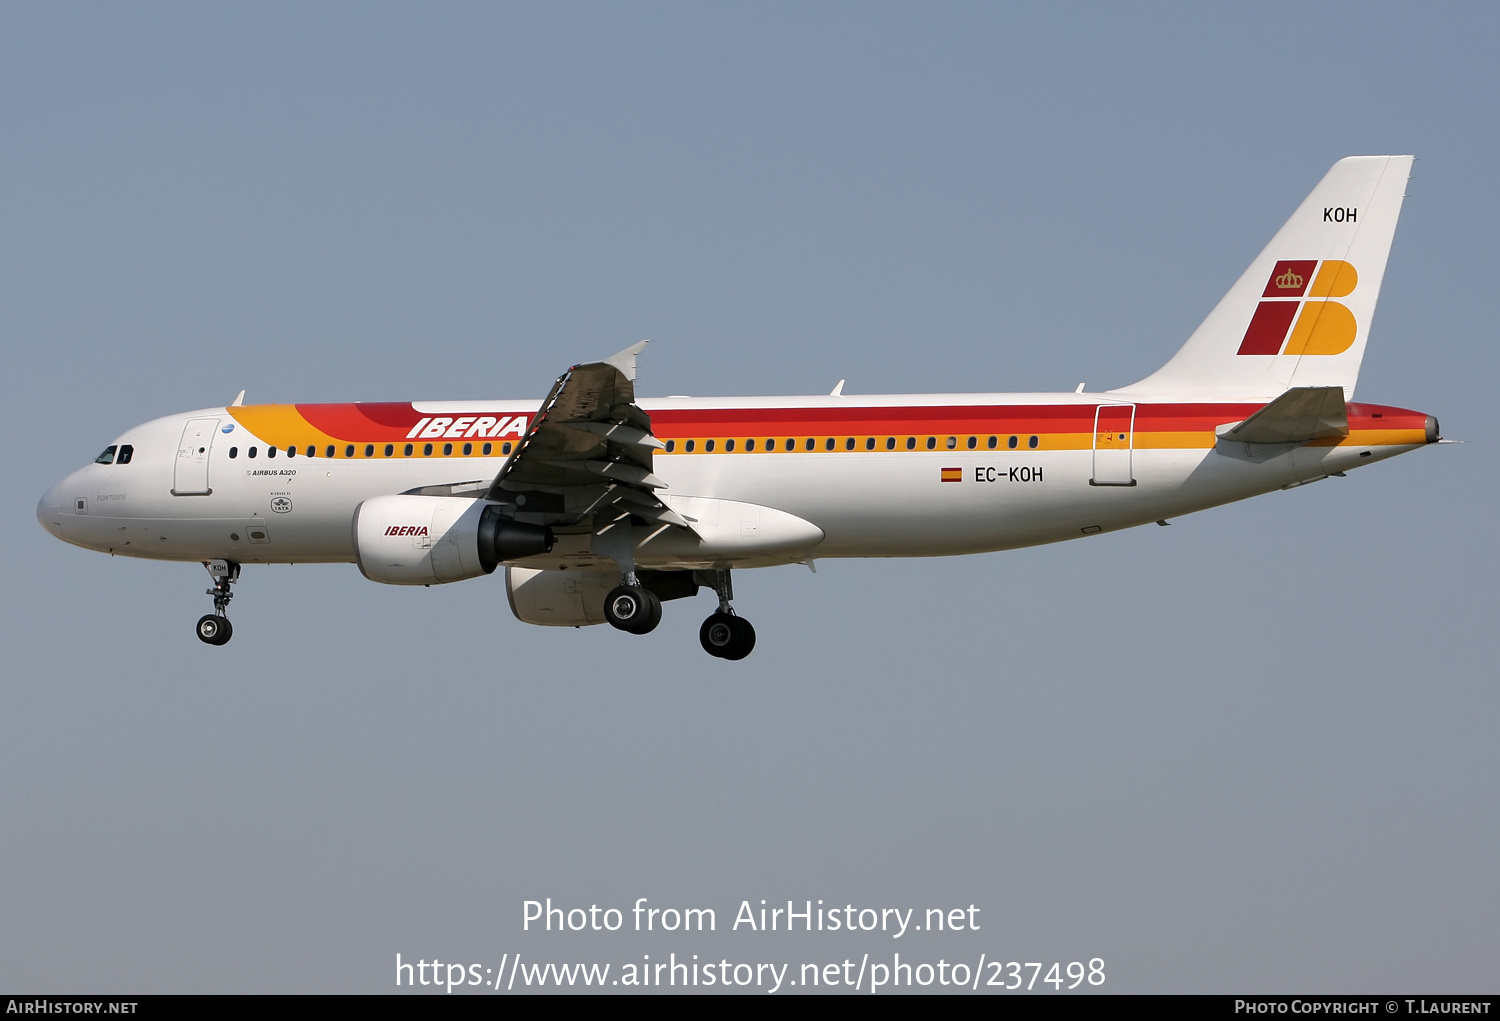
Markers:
(588, 452)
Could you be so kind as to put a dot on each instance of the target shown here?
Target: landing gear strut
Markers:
(725, 634)
(214, 628)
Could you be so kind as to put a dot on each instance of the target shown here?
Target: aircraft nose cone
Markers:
(49, 510)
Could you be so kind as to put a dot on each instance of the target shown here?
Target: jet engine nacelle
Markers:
(559, 598)
(576, 598)
(432, 540)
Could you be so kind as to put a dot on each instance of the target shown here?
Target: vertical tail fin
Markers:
(1300, 315)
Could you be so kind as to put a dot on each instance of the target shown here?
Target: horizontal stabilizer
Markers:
(1302, 413)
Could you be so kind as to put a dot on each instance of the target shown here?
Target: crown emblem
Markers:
(1289, 280)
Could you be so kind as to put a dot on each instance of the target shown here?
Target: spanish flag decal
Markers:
(953, 474)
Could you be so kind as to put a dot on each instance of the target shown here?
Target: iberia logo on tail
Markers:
(1323, 327)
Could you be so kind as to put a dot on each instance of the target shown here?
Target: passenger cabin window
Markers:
(108, 457)
(252, 452)
(993, 440)
(932, 443)
(1011, 443)
(849, 443)
(390, 448)
(750, 446)
(486, 449)
(369, 450)
(671, 446)
(291, 451)
(234, 452)
(973, 442)
(468, 449)
(505, 449)
(688, 446)
(952, 442)
(408, 450)
(729, 446)
(911, 443)
(328, 451)
(870, 443)
(890, 443)
(1032, 443)
(447, 449)
(427, 450)
(270, 451)
(312, 451)
(708, 445)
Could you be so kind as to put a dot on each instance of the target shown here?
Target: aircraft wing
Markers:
(588, 452)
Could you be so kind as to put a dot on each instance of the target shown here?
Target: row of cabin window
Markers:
(408, 450)
(114, 455)
(851, 443)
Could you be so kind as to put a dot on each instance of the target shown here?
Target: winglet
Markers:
(625, 360)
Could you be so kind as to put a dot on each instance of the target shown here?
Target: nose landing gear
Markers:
(214, 628)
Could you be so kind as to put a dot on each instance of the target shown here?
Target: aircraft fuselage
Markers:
(877, 476)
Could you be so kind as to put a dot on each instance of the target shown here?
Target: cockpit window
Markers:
(108, 457)
(126, 453)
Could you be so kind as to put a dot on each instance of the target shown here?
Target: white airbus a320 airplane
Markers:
(599, 506)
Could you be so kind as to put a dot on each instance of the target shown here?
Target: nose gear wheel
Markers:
(214, 630)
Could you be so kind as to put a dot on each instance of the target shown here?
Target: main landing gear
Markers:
(214, 628)
(725, 634)
(633, 608)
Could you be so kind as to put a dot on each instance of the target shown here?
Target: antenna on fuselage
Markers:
(837, 391)
(238, 401)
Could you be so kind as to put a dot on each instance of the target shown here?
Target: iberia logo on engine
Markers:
(1323, 328)
(406, 530)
